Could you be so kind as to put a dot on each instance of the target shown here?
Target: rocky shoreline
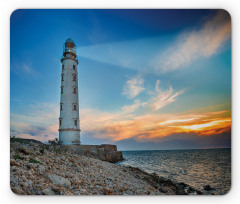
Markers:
(40, 169)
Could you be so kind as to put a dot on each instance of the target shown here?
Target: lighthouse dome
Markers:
(69, 40)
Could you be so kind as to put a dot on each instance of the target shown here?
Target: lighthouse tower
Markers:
(69, 130)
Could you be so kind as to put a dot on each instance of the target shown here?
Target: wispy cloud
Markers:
(158, 98)
(132, 108)
(133, 87)
(195, 44)
(162, 98)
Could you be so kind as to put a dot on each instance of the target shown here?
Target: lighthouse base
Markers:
(104, 152)
(68, 137)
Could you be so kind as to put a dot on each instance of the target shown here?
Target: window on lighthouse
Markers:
(61, 106)
(74, 90)
(62, 77)
(60, 122)
(74, 67)
(74, 107)
(62, 66)
(61, 89)
(74, 77)
(75, 122)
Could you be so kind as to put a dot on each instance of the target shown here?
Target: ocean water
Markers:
(193, 167)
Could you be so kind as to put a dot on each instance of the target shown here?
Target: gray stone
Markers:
(162, 190)
(59, 180)
(48, 191)
(25, 149)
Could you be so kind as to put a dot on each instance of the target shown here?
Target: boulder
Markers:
(114, 156)
(25, 149)
(13, 163)
(17, 191)
(162, 190)
(108, 191)
(208, 188)
(59, 180)
(48, 191)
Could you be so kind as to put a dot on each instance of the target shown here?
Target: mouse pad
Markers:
(120, 102)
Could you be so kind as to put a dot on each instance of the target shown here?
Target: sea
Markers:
(197, 167)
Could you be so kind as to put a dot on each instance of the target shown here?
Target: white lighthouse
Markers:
(69, 130)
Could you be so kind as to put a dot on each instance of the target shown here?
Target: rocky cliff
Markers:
(38, 169)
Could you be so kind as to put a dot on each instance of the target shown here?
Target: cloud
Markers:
(195, 44)
(159, 98)
(37, 122)
(131, 108)
(133, 87)
(41, 123)
(42, 119)
(162, 98)
(153, 126)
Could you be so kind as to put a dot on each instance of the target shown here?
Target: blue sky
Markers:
(148, 79)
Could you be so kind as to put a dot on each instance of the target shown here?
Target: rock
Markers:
(162, 190)
(59, 180)
(182, 185)
(48, 191)
(99, 187)
(129, 192)
(58, 187)
(73, 173)
(13, 163)
(181, 192)
(41, 169)
(114, 156)
(77, 193)
(108, 191)
(25, 149)
(208, 188)
(190, 189)
(29, 182)
(39, 185)
(17, 191)
(24, 184)
(13, 179)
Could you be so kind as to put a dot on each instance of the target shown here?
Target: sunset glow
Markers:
(143, 82)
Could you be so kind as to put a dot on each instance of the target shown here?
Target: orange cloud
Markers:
(125, 124)
(211, 127)
(154, 126)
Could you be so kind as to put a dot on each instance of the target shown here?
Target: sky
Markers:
(148, 79)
